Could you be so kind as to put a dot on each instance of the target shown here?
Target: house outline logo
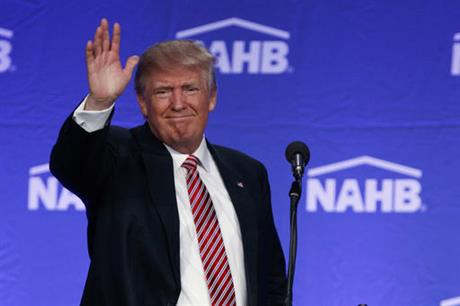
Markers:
(361, 194)
(365, 160)
(455, 301)
(234, 21)
(455, 57)
(6, 33)
(5, 50)
(40, 169)
(245, 56)
(45, 192)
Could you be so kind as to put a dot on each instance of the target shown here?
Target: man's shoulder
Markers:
(122, 137)
(227, 151)
(235, 156)
(138, 138)
(119, 134)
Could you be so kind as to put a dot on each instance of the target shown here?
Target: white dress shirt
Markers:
(193, 280)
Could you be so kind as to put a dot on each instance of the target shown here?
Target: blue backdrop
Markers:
(373, 87)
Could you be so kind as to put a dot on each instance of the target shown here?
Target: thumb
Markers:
(130, 64)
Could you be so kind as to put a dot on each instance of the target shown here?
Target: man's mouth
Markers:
(179, 118)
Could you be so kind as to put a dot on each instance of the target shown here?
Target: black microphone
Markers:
(298, 154)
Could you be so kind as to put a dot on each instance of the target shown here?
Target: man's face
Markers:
(176, 104)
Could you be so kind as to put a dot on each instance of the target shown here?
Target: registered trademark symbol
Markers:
(13, 68)
(290, 69)
(423, 208)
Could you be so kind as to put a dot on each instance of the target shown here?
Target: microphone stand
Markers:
(294, 194)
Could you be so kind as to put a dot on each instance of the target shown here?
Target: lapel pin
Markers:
(240, 184)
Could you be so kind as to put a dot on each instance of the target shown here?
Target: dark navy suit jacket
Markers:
(125, 178)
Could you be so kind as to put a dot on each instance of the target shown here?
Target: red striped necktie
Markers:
(212, 249)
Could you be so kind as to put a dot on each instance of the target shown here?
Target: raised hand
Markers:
(106, 76)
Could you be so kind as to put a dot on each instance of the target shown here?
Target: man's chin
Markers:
(184, 143)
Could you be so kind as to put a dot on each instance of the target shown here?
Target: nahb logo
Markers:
(451, 302)
(455, 60)
(364, 185)
(240, 55)
(5, 50)
(45, 192)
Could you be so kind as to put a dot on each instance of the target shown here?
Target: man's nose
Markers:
(178, 99)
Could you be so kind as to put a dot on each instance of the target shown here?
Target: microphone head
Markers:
(297, 147)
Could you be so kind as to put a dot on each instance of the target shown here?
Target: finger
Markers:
(89, 53)
(97, 48)
(105, 35)
(116, 36)
(130, 64)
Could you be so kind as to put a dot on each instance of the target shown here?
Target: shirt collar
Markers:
(202, 153)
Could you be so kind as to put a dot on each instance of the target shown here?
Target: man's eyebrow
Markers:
(168, 87)
(190, 84)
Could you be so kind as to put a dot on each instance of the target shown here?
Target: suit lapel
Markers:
(160, 180)
(246, 211)
(160, 176)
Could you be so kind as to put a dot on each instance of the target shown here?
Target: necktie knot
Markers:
(190, 163)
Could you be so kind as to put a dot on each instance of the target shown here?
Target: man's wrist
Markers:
(93, 104)
(91, 120)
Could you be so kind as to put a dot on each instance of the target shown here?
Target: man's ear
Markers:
(212, 99)
(143, 105)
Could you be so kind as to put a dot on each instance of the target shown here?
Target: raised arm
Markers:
(106, 77)
(81, 160)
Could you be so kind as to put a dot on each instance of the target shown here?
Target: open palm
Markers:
(106, 76)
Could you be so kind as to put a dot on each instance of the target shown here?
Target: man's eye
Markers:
(191, 90)
(161, 93)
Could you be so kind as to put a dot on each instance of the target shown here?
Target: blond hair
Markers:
(175, 54)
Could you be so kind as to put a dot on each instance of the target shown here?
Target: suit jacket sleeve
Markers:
(271, 248)
(82, 161)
